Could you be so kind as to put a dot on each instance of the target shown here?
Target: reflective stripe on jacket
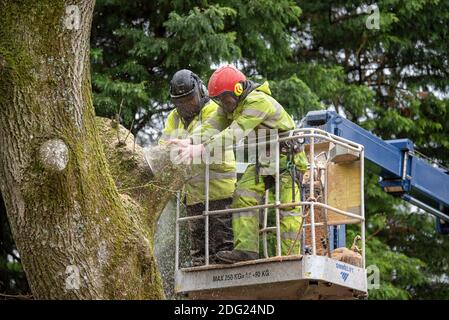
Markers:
(222, 176)
(259, 110)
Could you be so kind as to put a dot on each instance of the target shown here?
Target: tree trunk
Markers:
(79, 236)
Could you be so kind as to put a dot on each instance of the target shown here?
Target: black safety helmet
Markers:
(187, 93)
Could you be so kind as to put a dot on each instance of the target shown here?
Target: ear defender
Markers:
(201, 87)
(204, 90)
(238, 89)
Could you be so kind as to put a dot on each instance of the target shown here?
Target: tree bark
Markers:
(82, 232)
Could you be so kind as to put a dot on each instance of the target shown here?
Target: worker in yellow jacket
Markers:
(193, 108)
(250, 107)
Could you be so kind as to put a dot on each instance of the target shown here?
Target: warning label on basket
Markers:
(241, 275)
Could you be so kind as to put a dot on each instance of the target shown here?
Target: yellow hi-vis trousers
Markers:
(245, 224)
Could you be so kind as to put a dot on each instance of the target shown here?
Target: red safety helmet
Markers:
(225, 79)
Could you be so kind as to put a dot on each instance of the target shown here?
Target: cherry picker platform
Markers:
(311, 274)
(317, 274)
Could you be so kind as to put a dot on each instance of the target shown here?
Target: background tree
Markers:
(139, 45)
(394, 82)
(81, 231)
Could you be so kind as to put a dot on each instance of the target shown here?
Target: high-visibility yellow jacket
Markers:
(222, 174)
(259, 110)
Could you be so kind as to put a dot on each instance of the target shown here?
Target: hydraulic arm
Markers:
(401, 172)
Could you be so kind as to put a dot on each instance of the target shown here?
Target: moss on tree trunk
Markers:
(78, 236)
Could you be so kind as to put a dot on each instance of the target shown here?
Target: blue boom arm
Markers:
(401, 173)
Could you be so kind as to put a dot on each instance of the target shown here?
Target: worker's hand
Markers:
(179, 142)
(190, 154)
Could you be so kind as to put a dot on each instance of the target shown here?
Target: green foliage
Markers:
(262, 28)
(12, 277)
(296, 96)
(199, 37)
(137, 46)
(396, 82)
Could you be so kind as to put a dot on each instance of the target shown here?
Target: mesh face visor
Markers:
(188, 104)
